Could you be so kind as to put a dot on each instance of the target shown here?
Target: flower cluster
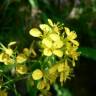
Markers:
(59, 42)
(56, 55)
(8, 57)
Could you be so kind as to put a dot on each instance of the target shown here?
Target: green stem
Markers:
(16, 93)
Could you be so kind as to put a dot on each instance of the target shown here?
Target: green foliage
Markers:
(88, 52)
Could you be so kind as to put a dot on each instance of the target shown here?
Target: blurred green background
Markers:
(17, 17)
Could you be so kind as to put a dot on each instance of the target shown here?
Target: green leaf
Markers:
(32, 91)
(88, 52)
(33, 3)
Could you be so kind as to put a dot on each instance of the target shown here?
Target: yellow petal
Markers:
(54, 37)
(61, 78)
(61, 67)
(21, 58)
(9, 51)
(53, 69)
(47, 42)
(58, 53)
(75, 42)
(67, 30)
(21, 69)
(47, 52)
(52, 77)
(35, 32)
(41, 85)
(50, 22)
(5, 58)
(72, 36)
(26, 51)
(8, 61)
(45, 28)
(56, 29)
(58, 44)
(37, 74)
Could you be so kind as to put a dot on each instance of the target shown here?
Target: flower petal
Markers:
(58, 44)
(58, 53)
(41, 85)
(47, 42)
(35, 32)
(21, 58)
(37, 74)
(45, 28)
(21, 69)
(54, 37)
(75, 42)
(61, 67)
(47, 52)
(72, 35)
(67, 30)
(9, 51)
(50, 22)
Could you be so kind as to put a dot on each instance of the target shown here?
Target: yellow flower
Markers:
(53, 69)
(21, 69)
(47, 52)
(26, 51)
(64, 70)
(35, 32)
(56, 29)
(58, 44)
(74, 54)
(50, 51)
(37, 74)
(47, 42)
(6, 59)
(68, 46)
(58, 53)
(71, 35)
(62, 77)
(21, 58)
(61, 67)
(41, 85)
(3, 93)
(67, 71)
(54, 37)
(45, 28)
(67, 30)
(75, 42)
(52, 78)
(52, 72)
(9, 51)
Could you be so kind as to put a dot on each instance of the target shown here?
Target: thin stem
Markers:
(3, 47)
